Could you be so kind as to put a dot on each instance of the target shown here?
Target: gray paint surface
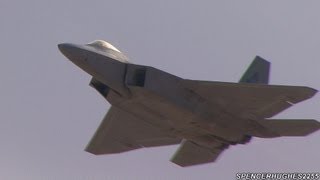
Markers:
(48, 115)
(150, 107)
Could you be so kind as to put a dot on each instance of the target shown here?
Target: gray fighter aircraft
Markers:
(150, 107)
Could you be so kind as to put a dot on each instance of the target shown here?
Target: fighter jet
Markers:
(150, 107)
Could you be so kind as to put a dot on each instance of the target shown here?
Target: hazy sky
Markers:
(49, 113)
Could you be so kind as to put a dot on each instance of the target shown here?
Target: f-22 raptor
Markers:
(150, 107)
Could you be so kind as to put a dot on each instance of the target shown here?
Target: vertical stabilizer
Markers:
(258, 72)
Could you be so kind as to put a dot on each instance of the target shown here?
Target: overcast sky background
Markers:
(49, 113)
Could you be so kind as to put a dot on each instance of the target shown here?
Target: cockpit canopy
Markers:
(100, 44)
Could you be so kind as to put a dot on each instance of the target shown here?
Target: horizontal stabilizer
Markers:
(190, 153)
(292, 127)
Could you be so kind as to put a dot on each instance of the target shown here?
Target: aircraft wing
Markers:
(121, 131)
(190, 153)
(263, 101)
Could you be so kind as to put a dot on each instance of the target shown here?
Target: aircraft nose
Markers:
(66, 48)
(72, 51)
(62, 46)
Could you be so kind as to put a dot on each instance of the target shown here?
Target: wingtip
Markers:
(304, 94)
(312, 91)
